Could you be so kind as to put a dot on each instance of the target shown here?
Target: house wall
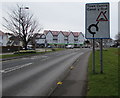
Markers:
(3, 40)
(80, 39)
(76, 41)
(66, 40)
(49, 38)
(40, 41)
(55, 39)
(61, 38)
(71, 39)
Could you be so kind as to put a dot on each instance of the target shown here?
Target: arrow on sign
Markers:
(102, 17)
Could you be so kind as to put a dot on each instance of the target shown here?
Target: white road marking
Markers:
(14, 68)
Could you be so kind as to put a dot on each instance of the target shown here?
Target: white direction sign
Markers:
(97, 21)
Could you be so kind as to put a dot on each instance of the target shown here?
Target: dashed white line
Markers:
(14, 68)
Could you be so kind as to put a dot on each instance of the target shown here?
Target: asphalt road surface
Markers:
(37, 75)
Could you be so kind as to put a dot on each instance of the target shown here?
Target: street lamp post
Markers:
(19, 23)
(45, 44)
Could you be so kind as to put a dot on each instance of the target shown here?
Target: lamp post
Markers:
(45, 44)
(19, 23)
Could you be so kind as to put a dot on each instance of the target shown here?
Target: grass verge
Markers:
(105, 84)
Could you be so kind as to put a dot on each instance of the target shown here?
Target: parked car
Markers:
(49, 46)
(29, 48)
(69, 46)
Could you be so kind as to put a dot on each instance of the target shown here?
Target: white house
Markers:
(60, 38)
(55, 37)
(66, 34)
(40, 38)
(49, 36)
(3, 39)
(81, 38)
(76, 35)
(71, 38)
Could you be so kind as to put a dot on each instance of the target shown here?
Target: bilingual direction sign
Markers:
(97, 21)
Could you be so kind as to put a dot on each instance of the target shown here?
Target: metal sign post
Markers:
(101, 56)
(93, 56)
(97, 26)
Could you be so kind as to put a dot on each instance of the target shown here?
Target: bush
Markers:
(53, 49)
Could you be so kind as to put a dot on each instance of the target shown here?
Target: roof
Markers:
(65, 33)
(38, 35)
(10, 34)
(2, 33)
(14, 38)
(46, 31)
(76, 34)
(82, 34)
(53, 32)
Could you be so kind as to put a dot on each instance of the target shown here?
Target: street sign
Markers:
(97, 21)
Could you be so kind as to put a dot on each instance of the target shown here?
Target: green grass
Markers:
(23, 54)
(105, 84)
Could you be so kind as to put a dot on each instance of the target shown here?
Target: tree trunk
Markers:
(25, 45)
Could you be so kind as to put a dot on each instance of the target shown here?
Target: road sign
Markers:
(97, 21)
(102, 17)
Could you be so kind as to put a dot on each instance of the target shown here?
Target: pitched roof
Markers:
(55, 33)
(46, 31)
(38, 35)
(76, 34)
(10, 34)
(82, 34)
(65, 33)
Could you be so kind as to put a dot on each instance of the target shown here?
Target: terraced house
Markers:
(63, 38)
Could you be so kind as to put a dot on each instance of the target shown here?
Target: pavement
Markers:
(38, 75)
(75, 84)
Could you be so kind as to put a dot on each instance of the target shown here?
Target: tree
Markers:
(22, 24)
(118, 36)
(117, 39)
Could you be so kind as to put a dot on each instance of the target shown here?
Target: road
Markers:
(37, 75)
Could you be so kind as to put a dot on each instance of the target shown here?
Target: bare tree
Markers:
(22, 24)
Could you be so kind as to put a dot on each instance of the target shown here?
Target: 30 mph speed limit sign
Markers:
(97, 21)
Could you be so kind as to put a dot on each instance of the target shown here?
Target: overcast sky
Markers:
(61, 15)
